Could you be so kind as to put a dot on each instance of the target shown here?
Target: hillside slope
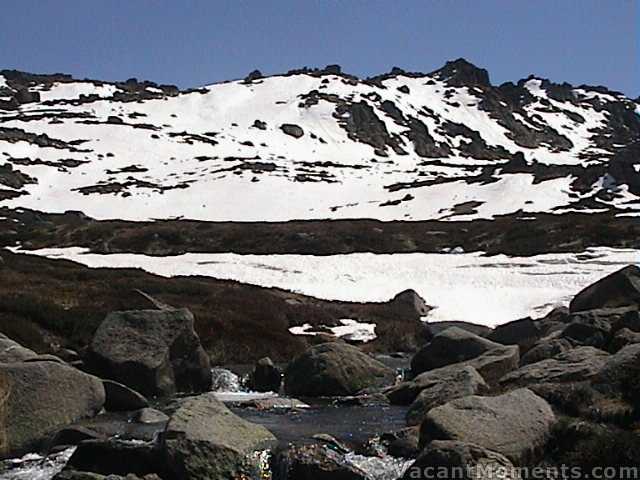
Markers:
(318, 144)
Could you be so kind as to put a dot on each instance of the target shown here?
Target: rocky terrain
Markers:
(314, 276)
(547, 393)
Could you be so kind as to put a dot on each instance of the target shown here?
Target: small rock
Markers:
(292, 130)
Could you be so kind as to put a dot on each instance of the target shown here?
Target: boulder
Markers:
(117, 457)
(622, 338)
(452, 345)
(334, 369)
(480, 330)
(402, 443)
(69, 474)
(621, 372)
(575, 365)
(266, 377)
(292, 130)
(545, 348)
(496, 363)
(619, 289)
(156, 352)
(590, 327)
(459, 460)
(524, 333)
(11, 351)
(38, 398)
(409, 305)
(315, 462)
(120, 398)
(443, 385)
(205, 440)
(516, 424)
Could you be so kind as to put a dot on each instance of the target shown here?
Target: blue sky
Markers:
(190, 42)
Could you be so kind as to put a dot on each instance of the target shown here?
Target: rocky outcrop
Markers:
(156, 352)
(575, 365)
(452, 345)
(620, 289)
(464, 461)
(516, 424)
(204, 440)
(38, 398)
(334, 369)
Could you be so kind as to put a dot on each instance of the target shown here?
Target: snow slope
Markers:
(403, 146)
(470, 287)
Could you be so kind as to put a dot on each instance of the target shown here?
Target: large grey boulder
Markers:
(620, 289)
(156, 352)
(516, 424)
(453, 345)
(496, 363)
(575, 365)
(315, 462)
(443, 385)
(463, 461)
(38, 398)
(523, 332)
(204, 440)
(334, 369)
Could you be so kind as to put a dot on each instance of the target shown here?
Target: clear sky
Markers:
(191, 42)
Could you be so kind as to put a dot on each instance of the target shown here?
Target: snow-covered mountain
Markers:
(318, 144)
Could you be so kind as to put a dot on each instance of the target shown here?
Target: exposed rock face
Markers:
(516, 424)
(292, 130)
(156, 352)
(465, 461)
(443, 385)
(575, 365)
(266, 377)
(620, 289)
(334, 369)
(204, 440)
(452, 345)
(37, 398)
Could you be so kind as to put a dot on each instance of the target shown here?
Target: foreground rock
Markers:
(453, 345)
(620, 289)
(38, 398)
(516, 424)
(205, 440)
(464, 461)
(334, 369)
(575, 365)
(315, 462)
(156, 352)
(621, 373)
